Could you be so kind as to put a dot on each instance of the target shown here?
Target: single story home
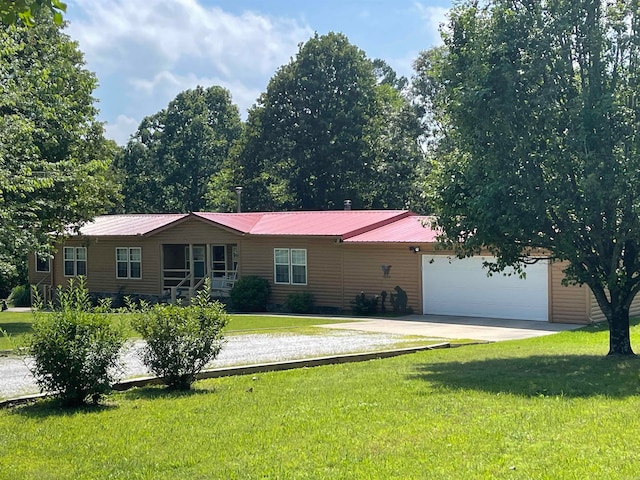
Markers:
(335, 255)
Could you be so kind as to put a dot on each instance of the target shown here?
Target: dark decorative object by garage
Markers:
(363, 305)
(399, 301)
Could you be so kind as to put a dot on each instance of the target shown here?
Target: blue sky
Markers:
(145, 52)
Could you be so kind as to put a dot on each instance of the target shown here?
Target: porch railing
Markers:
(178, 283)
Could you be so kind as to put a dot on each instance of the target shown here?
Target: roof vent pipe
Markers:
(239, 194)
(347, 204)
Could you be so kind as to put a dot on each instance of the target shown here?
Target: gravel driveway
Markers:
(16, 380)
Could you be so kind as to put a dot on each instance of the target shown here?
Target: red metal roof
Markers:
(349, 225)
(324, 223)
(125, 225)
(242, 222)
(411, 229)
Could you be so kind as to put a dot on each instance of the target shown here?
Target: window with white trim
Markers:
(290, 266)
(129, 262)
(75, 261)
(43, 264)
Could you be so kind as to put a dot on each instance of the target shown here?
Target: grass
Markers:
(18, 326)
(242, 324)
(551, 407)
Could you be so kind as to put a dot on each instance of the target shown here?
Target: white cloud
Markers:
(121, 129)
(434, 18)
(171, 32)
(144, 52)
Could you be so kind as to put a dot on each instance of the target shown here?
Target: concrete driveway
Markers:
(450, 327)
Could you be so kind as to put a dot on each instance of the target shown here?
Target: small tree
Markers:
(181, 340)
(536, 109)
(75, 347)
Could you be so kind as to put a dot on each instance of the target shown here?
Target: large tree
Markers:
(327, 129)
(537, 108)
(166, 165)
(26, 11)
(54, 159)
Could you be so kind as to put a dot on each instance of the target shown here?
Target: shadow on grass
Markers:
(16, 328)
(53, 407)
(161, 392)
(576, 376)
(603, 326)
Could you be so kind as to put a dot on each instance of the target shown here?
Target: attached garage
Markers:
(461, 287)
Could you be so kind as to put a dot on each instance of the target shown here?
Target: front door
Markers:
(218, 260)
(199, 261)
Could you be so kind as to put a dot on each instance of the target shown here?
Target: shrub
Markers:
(181, 340)
(300, 302)
(362, 305)
(250, 294)
(75, 347)
(20, 296)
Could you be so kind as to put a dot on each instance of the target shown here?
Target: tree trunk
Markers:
(619, 337)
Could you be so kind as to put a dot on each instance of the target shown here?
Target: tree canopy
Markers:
(331, 126)
(54, 159)
(536, 109)
(26, 11)
(167, 164)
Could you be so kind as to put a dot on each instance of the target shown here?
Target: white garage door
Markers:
(453, 286)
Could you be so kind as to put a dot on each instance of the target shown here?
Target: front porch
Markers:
(186, 266)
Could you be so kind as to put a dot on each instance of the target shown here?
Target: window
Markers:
(128, 262)
(75, 261)
(42, 264)
(290, 266)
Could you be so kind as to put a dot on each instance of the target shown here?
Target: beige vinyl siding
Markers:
(195, 231)
(101, 265)
(323, 267)
(574, 304)
(101, 256)
(569, 304)
(363, 273)
(42, 278)
(634, 311)
(596, 314)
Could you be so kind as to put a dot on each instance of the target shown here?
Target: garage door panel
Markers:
(462, 287)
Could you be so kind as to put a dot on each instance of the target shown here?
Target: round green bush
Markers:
(300, 302)
(250, 294)
(75, 347)
(181, 340)
(20, 296)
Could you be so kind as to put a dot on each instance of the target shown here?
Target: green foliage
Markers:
(181, 340)
(300, 302)
(167, 164)
(54, 159)
(361, 305)
(75, 347)
(325, 131)
(250, 294)
(26, 11)
(537, 109)
(20, 296)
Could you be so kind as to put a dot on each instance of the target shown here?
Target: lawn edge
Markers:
(253, 369)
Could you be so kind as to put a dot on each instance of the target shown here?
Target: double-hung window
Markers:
(290, 266)
(75, 261)
(129, 262)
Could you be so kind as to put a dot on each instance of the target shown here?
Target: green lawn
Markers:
(551, 407)
(18, 325)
